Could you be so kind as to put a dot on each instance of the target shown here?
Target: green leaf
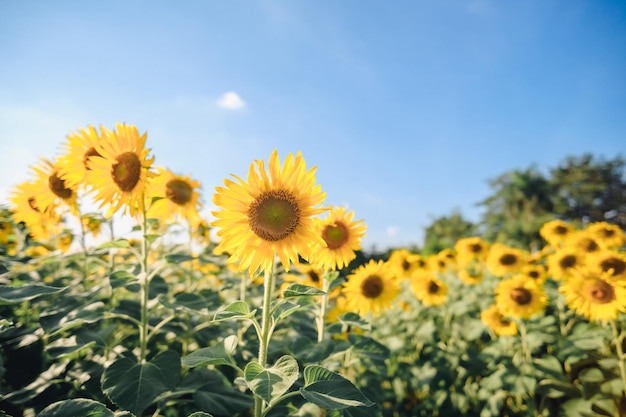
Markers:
(10, 295)
(299, 290)
(120, 279)
(188, 301)
(3, 269)
(212, 393)
(67, 346)
(591, 375)
(553, 388)
(236, 310)
(81, 407)
(220, 354)
(549, 366)
(134, 386)
(177, 258)
(116, 244)
(354, 320)
(271, 383)
(284, 309)
(200, 414)
(330, 390)
(151, 237)
(369, 347)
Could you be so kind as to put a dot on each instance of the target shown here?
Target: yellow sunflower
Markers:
(497, 322)
(594, 295)
(404, 262)
(79, 148)
(470, 249)
(342, 237)
(430, 290)
(536, 272)
(270, 214)
(583, 241)
(118, 176)
(609, 261)
(304, 274)
(92, 223)
(555, 231)
(441, 262)
(471, 274)
(25, 208)
(520, 297)
(52, 192)
(610, 235)
(179, 197)
(503, 260)
(371, 288)
(6, 230)
(562, 262)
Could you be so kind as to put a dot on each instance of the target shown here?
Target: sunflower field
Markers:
(271, 309)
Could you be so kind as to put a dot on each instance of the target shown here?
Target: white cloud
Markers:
(231, 101)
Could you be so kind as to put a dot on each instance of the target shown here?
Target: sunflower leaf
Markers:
(330, 390)
(220, 354)
(299, 290)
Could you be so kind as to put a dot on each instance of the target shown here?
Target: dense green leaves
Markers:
(270, 383)
(220, 354)
(76, 408)
(9, 295)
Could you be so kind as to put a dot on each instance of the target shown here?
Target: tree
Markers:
(444, 231)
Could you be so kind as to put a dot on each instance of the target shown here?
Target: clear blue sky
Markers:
(407, 108)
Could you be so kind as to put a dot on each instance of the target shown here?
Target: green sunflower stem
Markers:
(144, 282)
(321, 319)
(618, 338)
(268, 291)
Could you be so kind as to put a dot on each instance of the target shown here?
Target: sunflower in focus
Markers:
(503, 260)
(25, 207)
(52, 191)
(430, 290)
(371, 288)
(497, 322)
(119, 176)
(341, 236)
(179, 197)
(563, 262)
(470, 249)
(594, 295)
(609, 261)
(404, 262)
(269, 214)
(555, 231)
(610, 235)
(77, 150)
(520, 297)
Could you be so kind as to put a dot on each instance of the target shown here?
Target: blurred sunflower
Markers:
(497, 322)
(536, 272)
(201, 231)
(403, 262)
(269, 215)
(441, 262)
(64, 241)
(520, 297)
(179, 197)
(25, 207)
(430, 290)
(555, 231)
(470, 249)
(341, 237)
(119, 176)
(594, 295)
(92, 223)
(304, 274)
(52, 192)
(563, 262)
(610, 235)
(609, 261)
(471, 274)
(503, 260)
(371, 288)
(77, 150)
(583, 241)
(6, 230)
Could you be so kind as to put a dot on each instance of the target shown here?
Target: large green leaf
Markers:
(236, 310)
(299, 290)
(133, 386)
(10, 295)
(271, 383)
(121, 279)
(220, 354)
(81, 407)
(330, 390)
(212, 393)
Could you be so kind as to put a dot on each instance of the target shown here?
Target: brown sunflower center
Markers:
(589, 245)
(567, 261)
(126, 171)
(475, 248)
(617, 265)
(57, 185)
(274, 215)
(607, 233)
(313, 276)
(508, 259)
(601, 292)
(533, 274)
(335, 235)
(179, 191)
(521, 296)
(90, 152)
(372, 286)
(560, 230)
(406, 265)
(433, 287)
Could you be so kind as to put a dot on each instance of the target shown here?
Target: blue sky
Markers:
(407, 108)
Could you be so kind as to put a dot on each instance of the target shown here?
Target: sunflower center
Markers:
(508, 259)
(126, 171)
(57, 185)
(521, 296)
(90, 152)
(533, 274)
(607, 233)
(567, 261)
(372, 286)
(602, 292)
(617, 265)
(560, 230)
(590, 245)
(274, 215)
(313, 276)
(179, 191)
(336, 235)
(433, 287)
(475, 247)
(406, 265)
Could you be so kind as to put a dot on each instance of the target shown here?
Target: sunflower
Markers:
(304, 274)
(179, 197)
(430, 290)
(92, 223)
(441, 262)
(6, 230)
(497, 322)
(610, 235)
(503, 260)
(536, 272)
(269, 215)
(555, 231)
(404, 262)
(594, 295)
(610, 261)
(471, 274)
(371, 288)
(520, 297)
(65, 240)
(79, 148)
(470, 249)
(342, 236)
(564, 261)
(119, 175)
(25, 207)
(583, 241)
(52, 191)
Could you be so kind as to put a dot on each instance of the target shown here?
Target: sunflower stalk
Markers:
(264, 337)
(144, 281)
(618, 339)
(321, 319)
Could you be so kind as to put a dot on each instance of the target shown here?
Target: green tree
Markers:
(444, 231)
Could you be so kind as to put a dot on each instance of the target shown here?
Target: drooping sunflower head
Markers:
(430, 290)
(119, 174)
(77, 151)
(610, 261)
(594, 295)
(609, 235)
(371, 288)
(51, 190)
(342, 237)
(269, 214)
(520, 297)
(503, 260)
(470, 249)
(178, 197)
(496, 321)
(555, 231)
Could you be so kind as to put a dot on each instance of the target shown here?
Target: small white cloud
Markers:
(231, 101)
(392, 231)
